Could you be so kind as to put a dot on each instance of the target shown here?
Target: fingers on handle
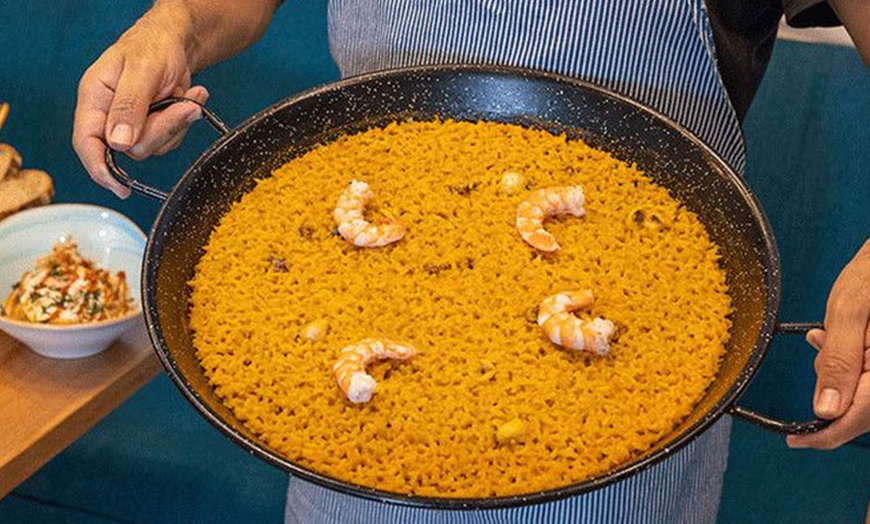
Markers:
(838, 366)
(841, 360)
(165, 129)
(90, 123)
(92, 152)
(855, 422)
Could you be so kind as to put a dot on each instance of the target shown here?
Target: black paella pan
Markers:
(669, 154)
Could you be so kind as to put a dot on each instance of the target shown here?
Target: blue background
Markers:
(155, 460)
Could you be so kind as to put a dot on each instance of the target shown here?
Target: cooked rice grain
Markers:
(463, 288)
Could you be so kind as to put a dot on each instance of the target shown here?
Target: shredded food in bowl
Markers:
(66, 288)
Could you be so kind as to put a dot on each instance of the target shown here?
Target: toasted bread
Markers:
(23, 189)
(10, 161)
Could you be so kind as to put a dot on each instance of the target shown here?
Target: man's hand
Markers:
(153, 60)
(148, 63)
(855, 15)
(843, 362)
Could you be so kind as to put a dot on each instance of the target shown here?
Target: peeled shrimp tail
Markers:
(567, 330)
(354, 228)
(350, 371)
(545, 203)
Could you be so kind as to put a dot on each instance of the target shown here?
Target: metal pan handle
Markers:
(789, 428)
(122, 177)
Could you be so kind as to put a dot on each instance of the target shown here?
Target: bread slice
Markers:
(10, 161)
(23, 189)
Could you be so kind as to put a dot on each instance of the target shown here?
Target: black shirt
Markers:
(744, 32)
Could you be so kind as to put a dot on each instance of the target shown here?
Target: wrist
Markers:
(175, 22)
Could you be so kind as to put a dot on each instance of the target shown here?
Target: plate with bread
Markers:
(20, 188)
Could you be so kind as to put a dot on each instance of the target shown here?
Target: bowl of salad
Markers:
(69, 278)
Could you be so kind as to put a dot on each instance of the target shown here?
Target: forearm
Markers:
(212, 30)
(855, 15)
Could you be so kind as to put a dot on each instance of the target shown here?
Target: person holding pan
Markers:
(698, 62)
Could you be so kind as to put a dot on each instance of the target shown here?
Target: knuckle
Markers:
(126, 103)
(91, 78)
(852, 292)
(80, 151)
(833, 365)
(84, 85)
(99, 180)
(80, 146)
(825, 440)
(836, 439)
(841, 305)
(166, 148)
(88, 79)
(177, 129)
(76, 144)
(139, 154)
(827, 444)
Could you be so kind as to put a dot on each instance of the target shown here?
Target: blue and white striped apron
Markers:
(659, 52)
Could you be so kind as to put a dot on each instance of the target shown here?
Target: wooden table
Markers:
(46, 404)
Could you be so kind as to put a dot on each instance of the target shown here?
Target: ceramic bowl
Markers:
(104, 236)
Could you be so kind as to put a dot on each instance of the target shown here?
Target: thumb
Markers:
(138, 86)
(839, 363)
(841, 360)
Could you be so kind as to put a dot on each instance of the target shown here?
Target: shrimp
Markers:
(565, 329)
(544, 203)
(356, 229)
(350, 369)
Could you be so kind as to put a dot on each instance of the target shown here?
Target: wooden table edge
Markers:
(77, 423)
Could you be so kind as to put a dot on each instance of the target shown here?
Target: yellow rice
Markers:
(463, 288)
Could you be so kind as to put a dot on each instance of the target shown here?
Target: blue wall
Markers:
(154, 459)
(807, 137)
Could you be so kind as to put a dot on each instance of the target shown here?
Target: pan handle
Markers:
(789, 428)
(121, 176)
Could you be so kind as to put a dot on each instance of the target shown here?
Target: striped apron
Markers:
(659, 52)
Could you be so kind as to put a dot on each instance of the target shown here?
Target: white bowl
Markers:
(105, 236)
